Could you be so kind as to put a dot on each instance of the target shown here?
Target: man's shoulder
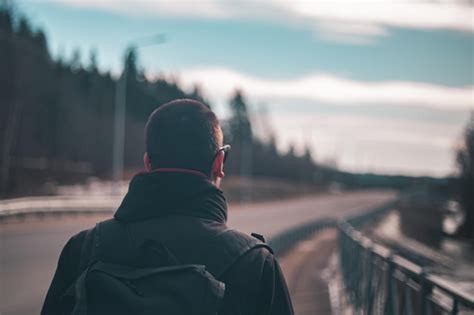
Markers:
(75, 244)
(244, 251)
(242, 243)
(80, 236)
(84, 237)
(233, 235)
(257, 258)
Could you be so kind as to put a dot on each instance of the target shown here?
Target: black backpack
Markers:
(147, 279)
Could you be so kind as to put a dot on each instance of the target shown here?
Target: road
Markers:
(306, 268)
(29, 250)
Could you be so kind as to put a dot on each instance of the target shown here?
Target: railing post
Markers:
(426, 289)
(391, 304)
(455, 309)
(408, 303)
(368, 289)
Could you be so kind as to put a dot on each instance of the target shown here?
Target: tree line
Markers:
(57, 117)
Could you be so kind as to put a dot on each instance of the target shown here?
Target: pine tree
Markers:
(465, 162)
(240, 125)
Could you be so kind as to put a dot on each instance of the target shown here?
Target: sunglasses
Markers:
(226, 149)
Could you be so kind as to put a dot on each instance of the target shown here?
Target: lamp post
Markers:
(120, 111)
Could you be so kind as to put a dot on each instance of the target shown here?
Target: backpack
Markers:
(146, 279)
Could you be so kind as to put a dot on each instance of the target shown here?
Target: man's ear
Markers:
(147, 162)
(218, 167)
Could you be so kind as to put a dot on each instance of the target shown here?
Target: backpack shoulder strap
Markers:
(108, 241)
(113, 243)
(70, 294)
(87, 249)
(242, 244)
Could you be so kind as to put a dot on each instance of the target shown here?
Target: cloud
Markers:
(350, 32)
(205, 9)
(219, 83)
(456, 15)
(343, 20)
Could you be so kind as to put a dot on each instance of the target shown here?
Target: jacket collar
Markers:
(173, 191)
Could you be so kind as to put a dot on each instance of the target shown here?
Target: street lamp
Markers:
(120, 111)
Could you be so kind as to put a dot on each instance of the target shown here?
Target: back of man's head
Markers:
(183, 134)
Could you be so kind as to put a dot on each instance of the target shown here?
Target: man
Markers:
(178, 201)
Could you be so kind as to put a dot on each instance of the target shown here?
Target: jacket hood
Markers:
(156, 194)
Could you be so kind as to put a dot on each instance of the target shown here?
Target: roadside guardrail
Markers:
(39, 206)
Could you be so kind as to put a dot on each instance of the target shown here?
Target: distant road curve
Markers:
(29, 250)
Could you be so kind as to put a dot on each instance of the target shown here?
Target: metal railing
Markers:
(379, 282)
(41, 206)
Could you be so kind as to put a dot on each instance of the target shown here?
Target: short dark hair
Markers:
(183, 133)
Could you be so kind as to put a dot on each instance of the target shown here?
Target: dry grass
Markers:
(245, 190)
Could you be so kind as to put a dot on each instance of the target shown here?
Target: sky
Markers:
(375, 85)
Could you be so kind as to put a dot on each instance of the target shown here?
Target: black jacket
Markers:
(187, 213)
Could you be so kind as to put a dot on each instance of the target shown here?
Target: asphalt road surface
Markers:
(29, 250)
(306, 267)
